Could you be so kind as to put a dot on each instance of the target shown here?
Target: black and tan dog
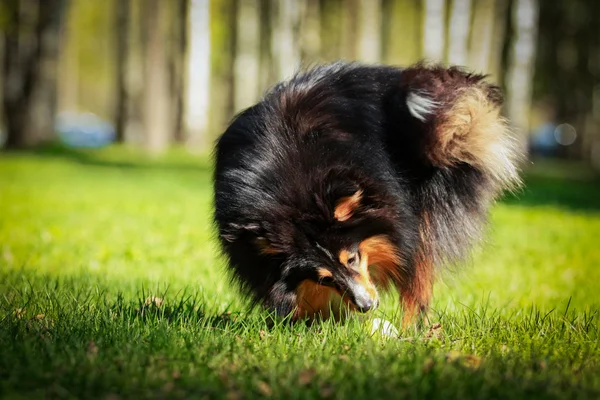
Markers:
(349, 178)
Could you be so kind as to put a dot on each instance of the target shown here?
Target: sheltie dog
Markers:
(351, 178)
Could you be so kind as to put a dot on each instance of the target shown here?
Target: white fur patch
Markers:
(420, 106)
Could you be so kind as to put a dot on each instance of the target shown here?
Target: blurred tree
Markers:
(122, 21)
(460, 26)
(402, 31)
(310, 32)
(179, 27)
(286, 46)
(331, 29)
(434, 41)
(31, 46)
(370, 30)
(349, 17)
(247, 53)
(267, 67)
(521, 67)
(481, 43)
(222, 43)
(157, 107)
(568, 71)
(498, 59)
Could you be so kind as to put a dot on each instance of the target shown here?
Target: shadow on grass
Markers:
(556, 183)
(575, 195)
(121, 157)
(185, 310)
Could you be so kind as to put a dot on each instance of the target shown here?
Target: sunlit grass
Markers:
(110, 285)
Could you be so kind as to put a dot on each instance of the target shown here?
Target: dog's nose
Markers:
(364, 300)
(366, 304)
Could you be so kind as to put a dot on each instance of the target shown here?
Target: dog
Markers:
(350, 178)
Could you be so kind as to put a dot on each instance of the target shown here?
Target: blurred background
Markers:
(158, 73)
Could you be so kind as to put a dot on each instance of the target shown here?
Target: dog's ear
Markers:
(344, 195)
(346, 206)
(455, 118)
(233, 230)
(256, 234)
(266, 247)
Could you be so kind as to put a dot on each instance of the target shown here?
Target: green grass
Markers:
(88, 238)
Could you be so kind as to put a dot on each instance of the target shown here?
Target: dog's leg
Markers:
(416, 294)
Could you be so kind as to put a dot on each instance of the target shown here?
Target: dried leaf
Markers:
(306, 376)
(344, 358)
(327, 391)
(154, 301)
(428, 365)
(262, 334)
(435, 332)
(466, 360)
(19, 313)
(264, 388)
(453, 355)
(234, 395)
(224, 377)
(168, 387)
(471, 361)
(40, 316)
(92, 350)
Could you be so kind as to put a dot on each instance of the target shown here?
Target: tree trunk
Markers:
(157, 110)
(198, 70)
(521, 68)
(370, 31)
(460, 26)
(123, 14)
(247, 54)
(434, 29)
(177, 49)
(499, 39)
(285, 37)
(179, 86)
(402, 26)
(29, 71)
(349, 38)
(267, 69)
(331, 29)
(310, 32)
(482, 41)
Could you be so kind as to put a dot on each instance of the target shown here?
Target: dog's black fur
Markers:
(422, 148)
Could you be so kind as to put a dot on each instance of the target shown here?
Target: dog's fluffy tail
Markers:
(458, 115)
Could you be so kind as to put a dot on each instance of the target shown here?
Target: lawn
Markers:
(111, 287)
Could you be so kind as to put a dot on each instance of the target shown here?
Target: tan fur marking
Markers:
(344, 256)
(473, 131)
(364, 279)
(383, 258)
(344, 209)
(324, 273)
(313, 300)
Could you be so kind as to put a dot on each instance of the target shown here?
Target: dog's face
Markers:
(349, 250)
(347, 273)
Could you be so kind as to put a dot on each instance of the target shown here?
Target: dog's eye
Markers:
(352, 261)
